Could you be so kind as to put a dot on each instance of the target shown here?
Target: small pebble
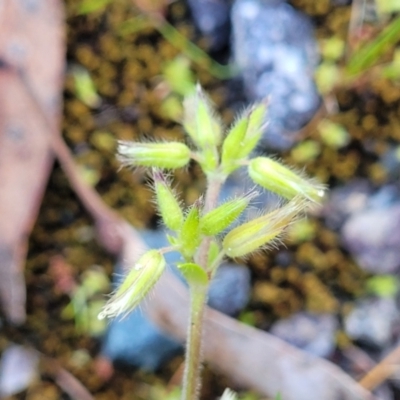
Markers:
(373, 238)
(18, 368)
(372, 321)
(313, 333)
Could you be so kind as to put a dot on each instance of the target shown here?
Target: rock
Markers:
(274, 47)
(345, 201)
(230, 290)
(18, 368)
(373, 238)
(211, 17)
(313, 333)
(372, 320)
(136, 341)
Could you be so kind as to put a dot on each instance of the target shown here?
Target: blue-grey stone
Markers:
(314, 333)
(372, 320)
(372, 237)
(275, 49)
(135, 341)
(230, 290)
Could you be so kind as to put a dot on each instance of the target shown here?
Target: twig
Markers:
(382, 371)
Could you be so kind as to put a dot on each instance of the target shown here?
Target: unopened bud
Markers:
(200, 120)
(168, 205)
(258, 232)
(168, 155)
(140, 279)
(221, 217)
(283, 181)
(243, 137)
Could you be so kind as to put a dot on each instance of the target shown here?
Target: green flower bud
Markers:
(168, 205)
(200, 120)
(140, 279)
(189, 236)
(258, 232)
(243, 137)
(275, 177)
(169, 155)
(221, 217)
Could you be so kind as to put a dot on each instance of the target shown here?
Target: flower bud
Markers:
(275, 177)
(200, 120)
(243, 137)
(221, 217)
(258, 232)
(168, 205)
(169, 155)
(140, 279)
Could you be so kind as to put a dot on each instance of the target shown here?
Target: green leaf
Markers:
(189, 236)
(369, 55)
(193, 273)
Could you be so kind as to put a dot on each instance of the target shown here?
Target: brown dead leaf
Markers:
(31, 42)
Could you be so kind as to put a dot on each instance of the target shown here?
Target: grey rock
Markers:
(373, 238)
(276, 52)
(314, 333)
(230, 290)
(18, 369)
(372, 320)
(212, 19)
(135, 341)
(345, 201)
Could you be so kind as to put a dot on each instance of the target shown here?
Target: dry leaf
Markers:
(32, 43)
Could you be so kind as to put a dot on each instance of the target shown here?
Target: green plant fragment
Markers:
(369, 55)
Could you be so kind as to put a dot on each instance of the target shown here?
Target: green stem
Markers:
(191, 377)
(198, 299)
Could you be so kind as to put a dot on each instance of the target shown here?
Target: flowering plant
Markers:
(201, 233)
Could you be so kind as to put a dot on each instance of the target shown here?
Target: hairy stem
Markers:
(198, 294)
(191, 378)
(210, 202)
